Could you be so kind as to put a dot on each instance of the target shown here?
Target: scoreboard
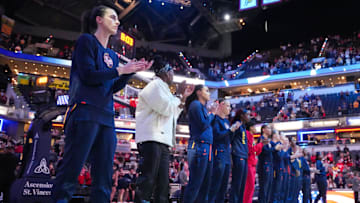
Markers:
(250, 4)
(247, 4)
(124, 44)
(267, 2)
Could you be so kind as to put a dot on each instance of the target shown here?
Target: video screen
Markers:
(247, 4)
(266, 2)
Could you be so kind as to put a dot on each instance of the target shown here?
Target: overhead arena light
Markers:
(227, 17)
(313, 72)
(226, 83)
(258, 79)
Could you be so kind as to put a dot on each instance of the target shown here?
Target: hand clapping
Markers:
(135, 66)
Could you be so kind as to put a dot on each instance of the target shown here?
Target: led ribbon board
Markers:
(247, 4)
(1, 124)
(300, 134)
(267, 2)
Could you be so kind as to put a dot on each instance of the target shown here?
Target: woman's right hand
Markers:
(214, 107)
(235, 126)
(265, 141)
(134, 66)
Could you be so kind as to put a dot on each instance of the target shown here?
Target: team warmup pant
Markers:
(239, 176)
(322, 186)
(306, 189)
(265, 181)
(219, 179)
(86, 139)
(285, 185)
(277, 186)
(200, 164)
(293, 187)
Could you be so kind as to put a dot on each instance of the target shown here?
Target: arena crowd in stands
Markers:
(291, 57)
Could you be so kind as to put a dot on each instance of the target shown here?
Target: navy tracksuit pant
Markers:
(239, 175)
(306, 188)
(86, 139)
(292, 188)
(266, 174)
(200, 163)
(299, 184)
(220, 177)
(277, 186)
(285, 185)
(322, 186)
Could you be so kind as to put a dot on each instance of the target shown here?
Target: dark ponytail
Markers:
(239, 116)
(192, 97)
(220, 100)
(89, 24)
(262, 129)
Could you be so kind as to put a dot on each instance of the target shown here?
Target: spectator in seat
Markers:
(132, 176)
(114, 182)
(84, 177)
(52, 170)
(313, 156)
(319, 102)
(340, 112)
(356, 186)
(184, 174)
(3, 98)
(346, 149)
(8, 165)
(323, 114)
(340, 181)
(133, 162)
(357, 162)
(330, 157)
(356, 105)
(127, 157)
(123, 185)
(316, 113)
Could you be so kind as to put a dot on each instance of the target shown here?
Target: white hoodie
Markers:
(156, 114)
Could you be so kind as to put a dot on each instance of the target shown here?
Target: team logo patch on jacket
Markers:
(108, 60)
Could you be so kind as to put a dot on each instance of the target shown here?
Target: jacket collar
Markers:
(162, 82)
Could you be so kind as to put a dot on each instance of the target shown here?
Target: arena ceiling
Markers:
(291, 20)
